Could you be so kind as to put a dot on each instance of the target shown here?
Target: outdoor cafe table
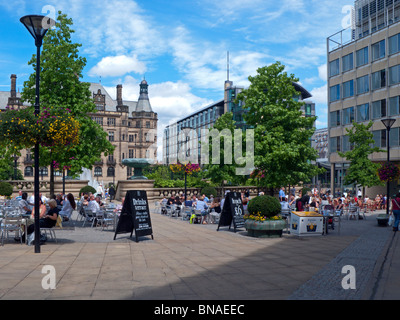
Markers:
(306, 223)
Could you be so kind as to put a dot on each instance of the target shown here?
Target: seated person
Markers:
(215, 207)
(285, 205)
(42, 210)
(48, 221)
(94, 205)
(202, 206)
(69, 205)
(24, 205)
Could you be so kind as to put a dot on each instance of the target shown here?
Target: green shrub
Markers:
(266, 205)
(6, 189)
(87, 189)
(209, 191)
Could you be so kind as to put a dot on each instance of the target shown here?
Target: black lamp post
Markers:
(37, 26)
(388, 124)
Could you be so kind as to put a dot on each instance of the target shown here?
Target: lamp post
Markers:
(37, 26)
(388, 123)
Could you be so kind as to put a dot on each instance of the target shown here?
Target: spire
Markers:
(144, 102)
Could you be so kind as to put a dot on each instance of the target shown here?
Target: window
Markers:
(334, 93)
(98, 171)
(363, 84)
(131, 137)
(148, 124)
(379, 109)
(347, 146)
(43, 171)
(335, 118)
(111, 122)
(334, 144)
(111, 135)
(348, 115)
(378, 50)
(394, 75)
(347, 62)
(98, 120)
(28, 172)
(394, 137)
(394, 44)
(348, 89)
(334, 68)
(363, 112)
(379, 137)
(131, 153)
(394, 106)
(110, 172)
(362, 57)
(378, 79)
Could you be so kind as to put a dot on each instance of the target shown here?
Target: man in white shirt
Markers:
(94, 205)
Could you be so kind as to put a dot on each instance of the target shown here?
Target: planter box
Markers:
(382, 219)
(264, 229)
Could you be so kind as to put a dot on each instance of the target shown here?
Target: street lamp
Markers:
(388, 123)
(37, 26)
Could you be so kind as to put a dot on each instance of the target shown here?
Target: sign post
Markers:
(232, 212)
(135, 215)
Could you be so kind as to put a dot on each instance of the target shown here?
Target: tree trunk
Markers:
(51, 179)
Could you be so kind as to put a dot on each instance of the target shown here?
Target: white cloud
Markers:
(118, 66)
(320, 94)
(323, 72)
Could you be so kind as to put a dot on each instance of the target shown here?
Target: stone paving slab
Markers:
(186, 261)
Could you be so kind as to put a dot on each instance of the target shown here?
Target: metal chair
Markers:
(11, 223)
(285, 214)
(88, 214)
(186, 213)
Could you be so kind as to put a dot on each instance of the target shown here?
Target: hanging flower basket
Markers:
(54, 127)
(189, 168)
(388, 172)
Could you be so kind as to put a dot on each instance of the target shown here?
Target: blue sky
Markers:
(180, 46)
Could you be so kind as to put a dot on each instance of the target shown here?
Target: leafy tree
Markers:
(283, 152)
(60, 85)
(362, 170)
(226, 169)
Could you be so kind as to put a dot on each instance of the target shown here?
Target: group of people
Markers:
(58, 205)
(203, 203)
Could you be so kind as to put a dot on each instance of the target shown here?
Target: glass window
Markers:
(394, 106)
(363, 84)
(334, 93)
(334, 144)
(379, 137)
(348, 89)
(347, 146)
(348, 115)
(334, 68)
(98, 172)
(378, 79)
(379, 109)
(28, 172)
(362, 57)
(378, 50)
(347, 62)
(394, 75)
(394, 44)
(394, 137)
(335, 118)
(363, 112)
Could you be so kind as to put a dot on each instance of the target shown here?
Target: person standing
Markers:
(111, 192)
(395, 210)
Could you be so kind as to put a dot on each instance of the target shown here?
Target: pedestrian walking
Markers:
(395, 210)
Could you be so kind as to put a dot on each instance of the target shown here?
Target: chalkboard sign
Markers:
(135, 215)
(232, 211)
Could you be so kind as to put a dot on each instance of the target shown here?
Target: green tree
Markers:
(225, 170)
(362, 170)
(60, 85)
(283, 152)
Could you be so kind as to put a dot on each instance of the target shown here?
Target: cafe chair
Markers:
(11, 223)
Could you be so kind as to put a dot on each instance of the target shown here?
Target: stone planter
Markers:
(265, 229)
(382, 219)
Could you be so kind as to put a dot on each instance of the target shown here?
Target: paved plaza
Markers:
(196, 262)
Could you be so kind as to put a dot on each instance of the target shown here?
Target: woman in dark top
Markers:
(49, 220)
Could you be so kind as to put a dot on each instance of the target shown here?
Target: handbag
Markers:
(391, 220)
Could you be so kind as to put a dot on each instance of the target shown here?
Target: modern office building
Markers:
(131, 127)
(178, 135)
(364, 82)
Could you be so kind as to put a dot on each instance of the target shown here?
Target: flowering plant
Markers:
(52, 128)
(189, 168)
(388, 172)
(260, 217)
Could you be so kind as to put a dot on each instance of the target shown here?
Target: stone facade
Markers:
(131, 128)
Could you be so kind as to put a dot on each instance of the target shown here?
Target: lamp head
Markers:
(388, 122)
(37, 26)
